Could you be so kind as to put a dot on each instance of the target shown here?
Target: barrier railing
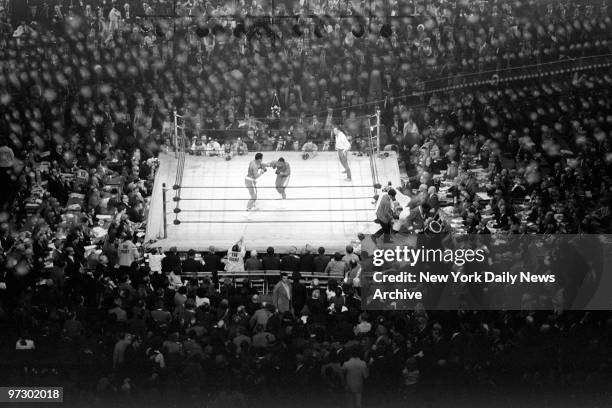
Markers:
(262, 278)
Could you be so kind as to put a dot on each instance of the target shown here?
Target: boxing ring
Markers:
(205, 201)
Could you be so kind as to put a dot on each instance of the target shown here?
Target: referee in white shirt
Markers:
(343, 146)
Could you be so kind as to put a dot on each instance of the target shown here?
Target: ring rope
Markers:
(276, 199)
(291, 187)
(279, 210)
(178, 187)
(270, 222)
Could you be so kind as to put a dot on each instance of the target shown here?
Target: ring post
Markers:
(377, 130)
(164, 210)
(175, 135)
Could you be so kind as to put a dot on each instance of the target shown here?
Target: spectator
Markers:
(191, 264)
(385, 216)
(270, 261)
(160, 316)
(291, 261)
(117, 312)
(253, 263)
(364, 326)
(201, 297)
(119, 350)
(282, 294)
(180, 297)
(155, 261)
(418, 216)
(212, 264)
(321, 260)
(262, 339)
(336, 267)
(171, 261)
(307, 263)
(234, 261)
(355, 373)
(299, 293)
(353, 276)
(367, 245)
(261, 316)
(175, 281)
(350, 255)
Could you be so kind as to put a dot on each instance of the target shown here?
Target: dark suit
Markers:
(212, 264)
(170, 262)
(300, 295)
(320, 262)
(384, 216)
(191, 265)
(72, 267)
(290, 263)
(307, 263)
(271, 262)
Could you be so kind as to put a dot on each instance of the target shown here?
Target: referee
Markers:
(343, 146)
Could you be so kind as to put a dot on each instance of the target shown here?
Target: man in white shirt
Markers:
(155, 259)
(343, 146)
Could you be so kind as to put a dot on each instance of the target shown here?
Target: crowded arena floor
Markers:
(420, 118)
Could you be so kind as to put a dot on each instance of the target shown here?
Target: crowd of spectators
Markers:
(139, 332)
(529, 157)
(223, 81)
(87, 94)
